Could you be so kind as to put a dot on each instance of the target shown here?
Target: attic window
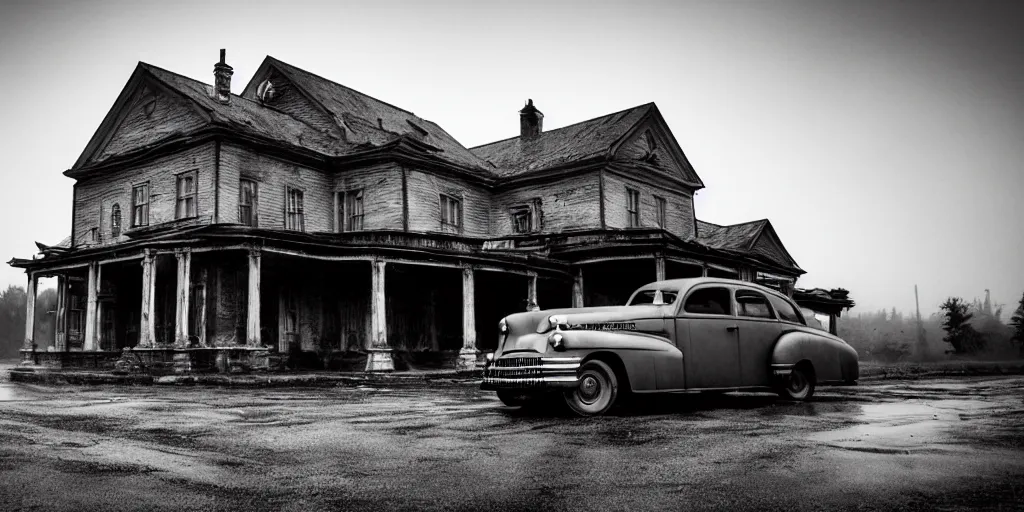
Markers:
(266, 92)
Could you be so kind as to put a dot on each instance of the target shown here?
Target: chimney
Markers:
(222, 79)
(531, 121)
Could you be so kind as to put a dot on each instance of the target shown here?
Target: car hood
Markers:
(597, 318)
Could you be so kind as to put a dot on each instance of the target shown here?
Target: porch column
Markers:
(467, 356)
(90, 309)
(704, 270)
(531, 292)
(60, 339)
(184, 257)
(147, 331)
(380, 357)
(30, 311)
(659, 267)
(577, 289)
(252, 324)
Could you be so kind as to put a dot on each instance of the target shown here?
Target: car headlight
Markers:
(556, 320)
(556, 340)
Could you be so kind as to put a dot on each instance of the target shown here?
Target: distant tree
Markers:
(46, 314)
(12, 320)
(959, 333)
(1017, 323)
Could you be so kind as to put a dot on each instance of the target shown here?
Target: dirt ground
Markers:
(936, 444)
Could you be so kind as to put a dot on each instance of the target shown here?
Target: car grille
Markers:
(532, 372)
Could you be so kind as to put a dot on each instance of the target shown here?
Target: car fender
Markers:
(833, 360)
(651, 362)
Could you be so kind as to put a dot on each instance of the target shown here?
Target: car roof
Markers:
(686, 283)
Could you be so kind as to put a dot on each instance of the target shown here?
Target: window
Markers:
(752, 304)
(709, 301)
(785, 310)
(659, 211)
(633, 207)
(522, 219)
(354, 210)
(656, 297)
(115, 221)
(248, 203)
(140, 205)
(294, 216)
(186, 205)
(451, 213)
(94, 235)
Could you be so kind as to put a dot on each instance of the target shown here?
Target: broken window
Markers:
(522, 219)
(354, 210)
(451, 213)
(659, 211)
(633, 207)
(140, 205)
(115, 221)
(247, 202)
(186, 205)
(294, 213)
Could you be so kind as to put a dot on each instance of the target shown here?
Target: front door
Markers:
(712, 355)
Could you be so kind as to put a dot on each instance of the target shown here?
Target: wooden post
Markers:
(577, 289)
(659, 267)
(202, 305)
(90, 309)
(181, 333)
(380, 357)
(252, 324)
(60, 340)
(30, 311)
(147, 329)
(531, 292)
(704, 270)
(468, 354)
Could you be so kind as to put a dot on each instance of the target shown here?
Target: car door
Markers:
(758, 330)
(711, 356)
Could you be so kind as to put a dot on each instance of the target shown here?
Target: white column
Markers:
(90, 309)
(659, 268)
(147, 330)
(577, 289)
(531, 291)
(380, 357)
(467, 356)
(181, 333)
(30, 311)
(252, 324)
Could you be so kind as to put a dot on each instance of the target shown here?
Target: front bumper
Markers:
(518, 372)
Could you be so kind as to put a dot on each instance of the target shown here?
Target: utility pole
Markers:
(921, 343)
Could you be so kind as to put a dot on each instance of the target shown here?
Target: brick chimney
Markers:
(222, 79)
(531, 121)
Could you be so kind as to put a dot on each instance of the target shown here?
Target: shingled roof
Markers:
(366, 119)
(737, 237)
(514, 156)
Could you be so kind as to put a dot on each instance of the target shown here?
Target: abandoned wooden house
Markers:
(304, 224)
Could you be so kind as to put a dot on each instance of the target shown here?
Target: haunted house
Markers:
(304, 224)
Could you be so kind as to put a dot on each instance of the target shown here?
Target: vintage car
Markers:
(681, 335)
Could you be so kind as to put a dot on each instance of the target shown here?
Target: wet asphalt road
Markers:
(943, 444)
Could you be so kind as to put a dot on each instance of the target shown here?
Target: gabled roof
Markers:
(743, 238)
(568, 144)
(365, 119)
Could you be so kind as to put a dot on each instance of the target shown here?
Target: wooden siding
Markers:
(678, 207)
(291, 101)
(424, 191)
(566, 204)
(382, 194)
(151, 115)
(95, 196)
(273, 176)
(769, 248)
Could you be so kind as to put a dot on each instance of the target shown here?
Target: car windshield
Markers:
(655, 297)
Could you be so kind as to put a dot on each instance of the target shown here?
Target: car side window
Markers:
(709, 301)
(785, 310)
(753, 304)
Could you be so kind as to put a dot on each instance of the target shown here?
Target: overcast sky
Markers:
(884, 140)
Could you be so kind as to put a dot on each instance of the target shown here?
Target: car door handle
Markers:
(732, 328)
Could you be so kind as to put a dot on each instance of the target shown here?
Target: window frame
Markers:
(445, 202)
(521, 211)
(660, 211)
(143, 186)
(253, 204)
(298, 216)
(681, 310)
(773, 298)
(633, 199)
(351, 199)
(115, 220)
(181, 198)
(771, 309)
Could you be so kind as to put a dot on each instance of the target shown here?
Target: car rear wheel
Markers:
(799, 385)
(596, 392)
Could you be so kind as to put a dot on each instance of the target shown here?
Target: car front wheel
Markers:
(598, 388)
(799, 385)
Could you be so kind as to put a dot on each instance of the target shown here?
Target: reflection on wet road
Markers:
(910, 445)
